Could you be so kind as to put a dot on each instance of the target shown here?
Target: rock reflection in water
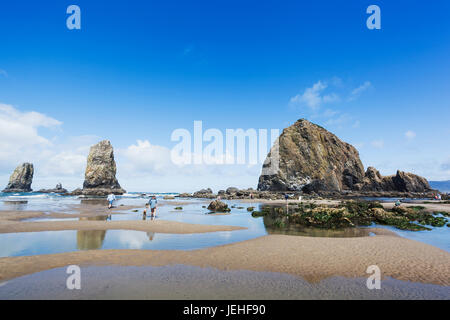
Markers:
(91, 239)
(16, 204)
(95, 202)
(273, 227)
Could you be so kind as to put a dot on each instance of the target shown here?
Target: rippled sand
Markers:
(190, 283)
(311, 258)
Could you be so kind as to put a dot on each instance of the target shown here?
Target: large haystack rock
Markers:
(312, 157)
(100, 176)
(21, 179)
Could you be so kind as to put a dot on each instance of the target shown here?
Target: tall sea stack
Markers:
(21, 179)
(100, 176)
(312, 159)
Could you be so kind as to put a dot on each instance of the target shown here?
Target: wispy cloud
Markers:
(356, 124)
(410, 134)
(314, 96)
(379, 144)
(188, 50)
(3, 73)
(356, 93)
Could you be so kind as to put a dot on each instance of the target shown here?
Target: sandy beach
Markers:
(312, 259)
(193, 283)
(159, 226)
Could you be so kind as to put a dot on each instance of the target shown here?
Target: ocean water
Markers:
(32, 243)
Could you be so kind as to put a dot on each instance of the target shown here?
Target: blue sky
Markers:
(137, 70)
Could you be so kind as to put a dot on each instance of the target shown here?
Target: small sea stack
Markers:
(58, 189)
(100, 176)
(21, 179)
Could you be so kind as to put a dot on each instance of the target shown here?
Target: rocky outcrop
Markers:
(401, 182)
(184, 195)
(100, 176)
(21, 179)
(232, 190)
(218, 206)
(311, 156)
(204, 193)
(57, 189)
(313, 160)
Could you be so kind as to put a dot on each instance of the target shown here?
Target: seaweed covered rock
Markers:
(21, 179)
(218, 206)
(355, 213)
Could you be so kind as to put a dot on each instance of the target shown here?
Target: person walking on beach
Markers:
(152, 202)
(111, 198)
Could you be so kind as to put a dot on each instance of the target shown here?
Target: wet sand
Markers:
(158, 226)
(12, 221)
(312, 259)
(191, 283)
(432, 207)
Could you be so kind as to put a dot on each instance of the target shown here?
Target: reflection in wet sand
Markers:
(16, 204)
(95, 202)
(91, 239)
(298, 230)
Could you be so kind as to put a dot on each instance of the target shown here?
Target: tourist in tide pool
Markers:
(152, 204)
(111, 198)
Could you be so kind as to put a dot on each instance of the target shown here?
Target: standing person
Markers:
(152, 202)
(111, 198)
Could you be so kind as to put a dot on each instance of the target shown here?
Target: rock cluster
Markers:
(204, 193)
(313, 160)
(402, 182)
(57, 189)
(21, 179)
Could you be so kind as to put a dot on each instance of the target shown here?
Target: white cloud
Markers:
(410, 134)
(313, 97)
(379, 144)
(143, 157)
(65, 163)
(19, 137)
(359, 90)
(3, 73)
